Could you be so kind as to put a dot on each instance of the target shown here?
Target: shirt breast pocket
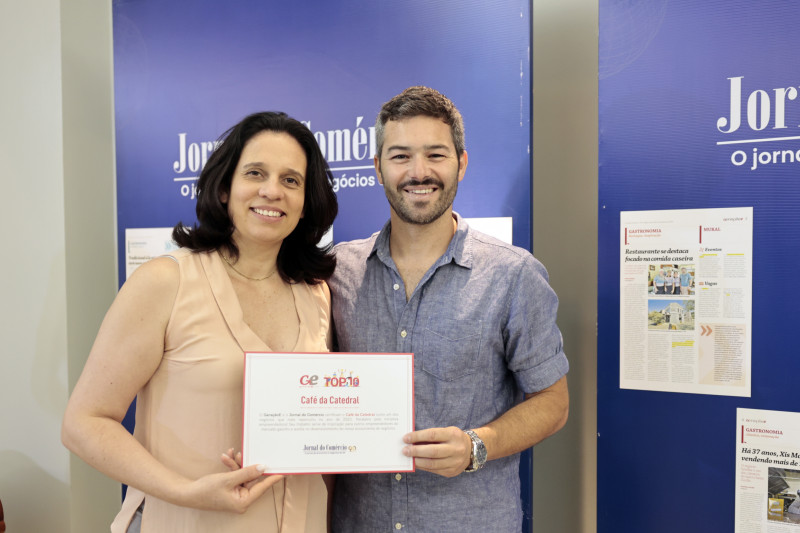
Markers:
(450, 348)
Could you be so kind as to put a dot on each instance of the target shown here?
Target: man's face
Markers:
(419, 168)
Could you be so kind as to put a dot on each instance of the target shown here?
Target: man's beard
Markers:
(406, 210)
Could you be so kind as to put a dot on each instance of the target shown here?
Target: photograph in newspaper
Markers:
(670, 315)
(767, 471)
(783, 494)
(685, 300)
(670, 279)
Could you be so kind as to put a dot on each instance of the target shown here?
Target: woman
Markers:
(247, 278)
(668, 283)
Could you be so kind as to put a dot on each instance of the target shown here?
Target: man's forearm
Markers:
(541, 415)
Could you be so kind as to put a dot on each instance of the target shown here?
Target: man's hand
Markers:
(443, 451)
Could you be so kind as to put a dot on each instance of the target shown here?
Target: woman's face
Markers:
(268, 190)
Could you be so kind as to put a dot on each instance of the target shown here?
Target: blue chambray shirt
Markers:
(481, 325)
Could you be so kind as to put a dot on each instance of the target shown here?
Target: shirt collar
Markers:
(458, 251)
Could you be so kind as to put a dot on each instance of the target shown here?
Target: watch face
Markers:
(481, 454)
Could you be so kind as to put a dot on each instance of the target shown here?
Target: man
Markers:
(658, 282)
(479, 317)
(686, 281)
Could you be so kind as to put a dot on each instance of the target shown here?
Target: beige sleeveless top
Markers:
(190, 411)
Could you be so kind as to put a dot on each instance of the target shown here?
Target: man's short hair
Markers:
(421, 101)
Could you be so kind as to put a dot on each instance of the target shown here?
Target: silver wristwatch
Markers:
(478, 456)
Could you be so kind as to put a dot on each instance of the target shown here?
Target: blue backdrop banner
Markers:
(698, 109)
(187, 71)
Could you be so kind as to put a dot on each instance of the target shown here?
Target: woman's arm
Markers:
(126, 353)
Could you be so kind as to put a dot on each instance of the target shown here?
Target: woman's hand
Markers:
(231, 491)
(234, 463)
(232, 460)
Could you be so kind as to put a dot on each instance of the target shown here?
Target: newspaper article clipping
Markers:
(767, 471)
(685, 300)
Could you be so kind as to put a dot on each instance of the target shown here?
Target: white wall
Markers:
(565, 240)
(58, 269)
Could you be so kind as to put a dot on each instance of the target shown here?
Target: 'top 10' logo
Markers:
(336, 380)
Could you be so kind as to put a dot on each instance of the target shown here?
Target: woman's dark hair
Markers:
(299, 259)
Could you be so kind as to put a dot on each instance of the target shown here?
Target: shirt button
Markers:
(398, 477)
(398, 526)
(396, 286)
(403, 334)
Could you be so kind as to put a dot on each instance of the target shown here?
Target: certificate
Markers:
(327, 412)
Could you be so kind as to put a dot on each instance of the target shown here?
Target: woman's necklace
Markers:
(245, 275)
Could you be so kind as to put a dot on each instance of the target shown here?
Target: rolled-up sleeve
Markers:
(534, 347)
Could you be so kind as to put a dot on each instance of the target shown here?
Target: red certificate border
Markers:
(413, 409)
